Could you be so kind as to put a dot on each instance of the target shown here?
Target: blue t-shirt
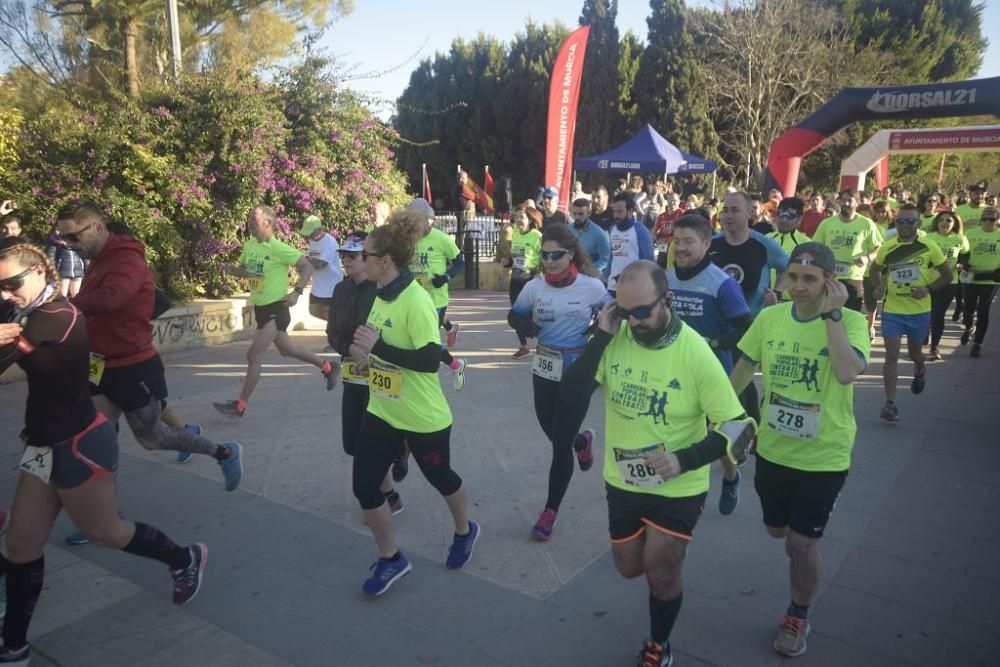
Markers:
(750, 264)
(707, 303)
(562, 314)
(595, 242)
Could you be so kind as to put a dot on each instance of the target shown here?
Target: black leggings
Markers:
(380, 444)
(940, 300)
(749, 398)
(978, 299)
(516, 285)
(353, 406)
(563, 437)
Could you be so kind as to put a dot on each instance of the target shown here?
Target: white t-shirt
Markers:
(325, 279)
(624, 251)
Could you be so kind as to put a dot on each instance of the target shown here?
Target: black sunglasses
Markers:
(16, 282)
(907, 221)
(365, 255)
(74, 237)
(788, 215)
(989, 219)
(554, 255)
(350, 254)
(639, 312)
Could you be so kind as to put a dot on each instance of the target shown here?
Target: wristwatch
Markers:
(298, 290)
(834, 315)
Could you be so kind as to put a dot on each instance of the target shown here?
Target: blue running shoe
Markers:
(77, 539)
(461, 548)
(386, 572)
(184, 457)
(232, 466)
(730, 497)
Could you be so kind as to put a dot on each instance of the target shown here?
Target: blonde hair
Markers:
(399, 235)
(29, 255)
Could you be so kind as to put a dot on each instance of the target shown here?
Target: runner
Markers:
(593, 239)
(663, 231)
(855, 242)
(708, 300)
(882, 215)
(71, 453)
(908, 260)
(972, 211)
(662, 385)
(983, 263)
(600, 211)
(526, 247)
(789, 234)
(436, 260)
(126, 373)
(814, 215)
(349, 308)
(403, 350)
(946, 231)
(550, 213)
(557, 309)
(929, 208)
(322, 255)
(809, 352)
(630, 241)
(265, 262)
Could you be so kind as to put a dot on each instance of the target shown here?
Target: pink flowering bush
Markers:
(183, 166)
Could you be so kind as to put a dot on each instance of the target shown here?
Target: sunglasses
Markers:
(16, 282)
(639, 312)
(365, 255)
(74, 237)
(554, 255)
(788, 215)
(350, 254)
(907, 221)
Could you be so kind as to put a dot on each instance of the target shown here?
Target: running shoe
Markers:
(543, 527)
(187, 581)
(77, 539)
(919, 379)
(585, 456)
(230, 408)
(395, 502)
(184, 457)
(934, 354)
(232, 466)
(655, 655)
(458, 375)
(976, 350)
(521, 353)
(791, 639)
(966, 335)
(452, 339)
(890, 412)
(386, 572)
(462, 547)
(730, 496)
(400, 467)
(20, 657)
(331, 372)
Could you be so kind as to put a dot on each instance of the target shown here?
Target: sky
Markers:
(386, 39)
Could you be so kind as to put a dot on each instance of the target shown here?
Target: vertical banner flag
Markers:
(564, 94)
(426, 186)
(483, 198)
(882, 173)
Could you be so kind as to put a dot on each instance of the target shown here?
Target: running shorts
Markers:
(276, 312)
(131, 387)
(630, 513)
(799, 499)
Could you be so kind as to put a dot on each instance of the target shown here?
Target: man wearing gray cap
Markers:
(809, 351)
(550, 212)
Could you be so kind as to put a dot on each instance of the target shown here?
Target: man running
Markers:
(593, 239)
(809, 352)
(983, 266)
(126, 373)
(600, 210)
(326, 266)
(855, 241)
(265, 262)
(662, 384)
(630, 241)
(904, 276)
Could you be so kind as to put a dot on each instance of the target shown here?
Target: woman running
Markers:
(945, 229)
(402, 349)
(71, 451)
(982, 265)
(557, 308)
(352, 301)
(525, 258)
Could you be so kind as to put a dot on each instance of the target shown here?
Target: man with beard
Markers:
(854, 240)
(600, 211)
(662, 386)
(630, 241)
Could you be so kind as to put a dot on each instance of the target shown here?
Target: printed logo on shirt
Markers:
(735, 272)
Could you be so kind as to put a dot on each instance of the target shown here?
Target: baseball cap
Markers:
(422, 205)
(551, 192)
(310, 225)
(813, 253)
(353, 243)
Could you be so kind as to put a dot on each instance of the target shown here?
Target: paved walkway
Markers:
(911, 552)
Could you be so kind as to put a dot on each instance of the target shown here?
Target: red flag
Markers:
(488, 183)
(564, 94)
(427, 187)
(484, 199)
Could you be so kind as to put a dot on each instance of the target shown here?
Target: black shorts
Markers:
(799, 499)
(630, 512)
(89, 455)
(132, 387)
(277, 312)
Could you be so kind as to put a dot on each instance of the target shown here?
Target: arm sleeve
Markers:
(338, 342)
(578, 383)
(118, 286)
(732, 303)
(51, 323)
(457, 266)
(645, 242)
(741, 324)
(424, 360)
(9, 354)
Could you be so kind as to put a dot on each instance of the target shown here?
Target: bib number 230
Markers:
(385, 380)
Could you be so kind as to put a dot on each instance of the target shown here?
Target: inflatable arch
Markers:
(933, 100)
(873, 153)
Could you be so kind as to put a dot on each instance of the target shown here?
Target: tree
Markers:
(598, 125)
(671, 90)
(628, 70)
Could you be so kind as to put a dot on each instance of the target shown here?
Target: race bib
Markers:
(794, 418)
(520, 262)
(633, 467)
(843, 269)
(904, 274)
(351, 373)
(96, 368)
(385, 379)
(548, 363)
(38, 462)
